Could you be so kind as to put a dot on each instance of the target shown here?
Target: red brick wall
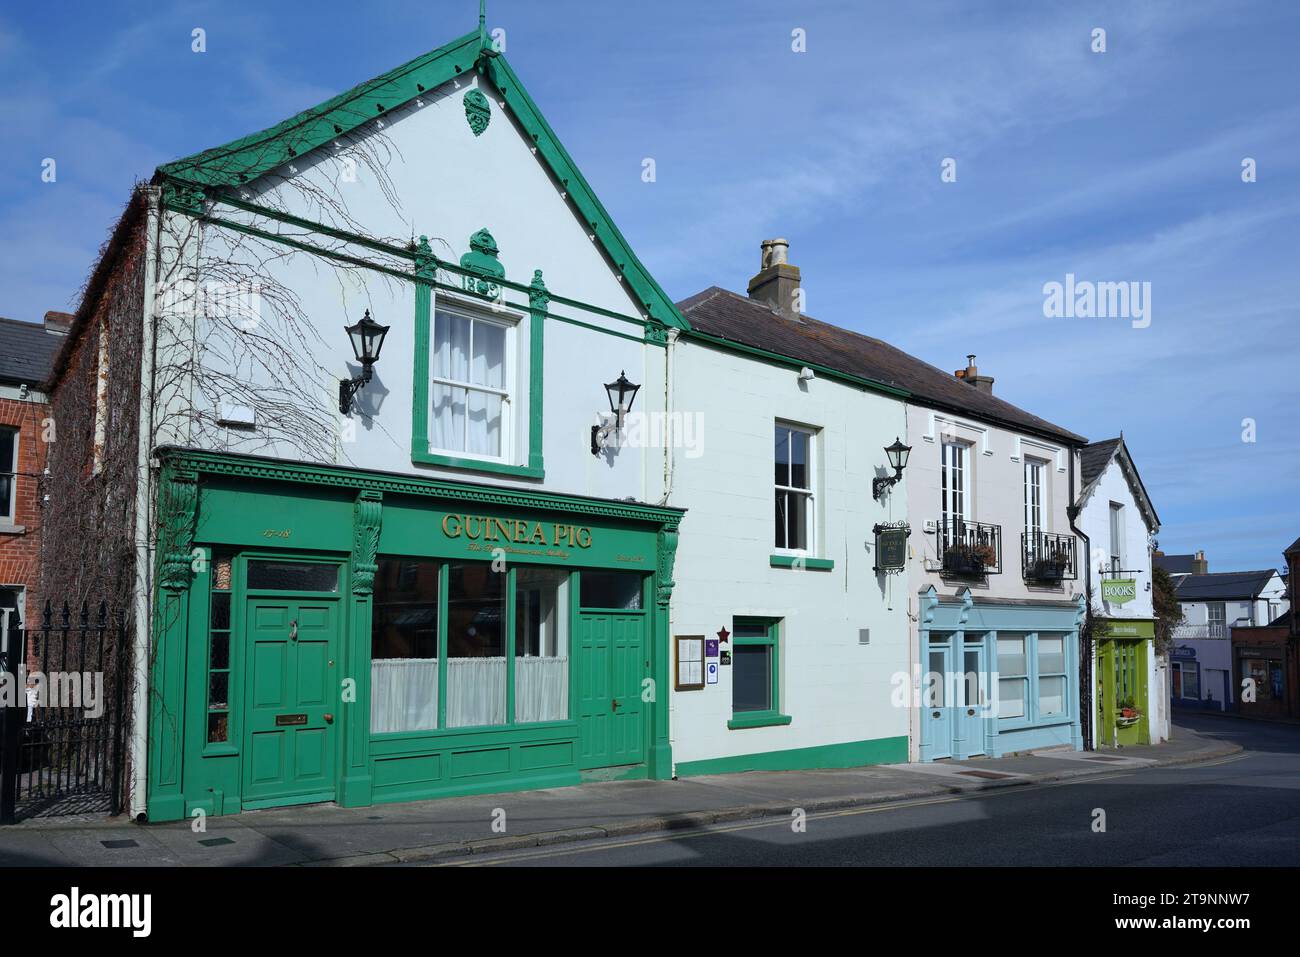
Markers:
(20, 553)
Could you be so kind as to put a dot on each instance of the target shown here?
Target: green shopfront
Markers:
(329, 634)
(1123, 697)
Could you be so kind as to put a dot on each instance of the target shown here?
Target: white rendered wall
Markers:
(835, 689)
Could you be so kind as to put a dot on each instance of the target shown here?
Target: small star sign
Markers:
(723, 634)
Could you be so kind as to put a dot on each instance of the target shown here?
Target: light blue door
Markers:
(937, 691)
(971, 694)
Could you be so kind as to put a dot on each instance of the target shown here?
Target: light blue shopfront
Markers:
(998, 676)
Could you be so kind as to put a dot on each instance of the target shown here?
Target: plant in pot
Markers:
(1128, 713)
(984, 555)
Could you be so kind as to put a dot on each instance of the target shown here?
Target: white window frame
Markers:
(1035, 497)
(810, 493)
(9, 515)
(949, 450)
(1117, 531)
(510, 396)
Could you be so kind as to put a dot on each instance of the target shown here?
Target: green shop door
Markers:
(612, 664)
(291, 701)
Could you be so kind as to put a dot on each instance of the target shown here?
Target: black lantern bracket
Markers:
(367, 338)
(898, 454)
(621, 393)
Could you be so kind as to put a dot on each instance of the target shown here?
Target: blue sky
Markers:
(1115, 166)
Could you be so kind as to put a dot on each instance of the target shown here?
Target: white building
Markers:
(1130, 689)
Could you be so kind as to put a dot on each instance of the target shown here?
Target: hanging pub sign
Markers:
(891, 546)
(1118, 591)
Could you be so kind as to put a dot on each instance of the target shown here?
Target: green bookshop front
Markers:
(329, 634)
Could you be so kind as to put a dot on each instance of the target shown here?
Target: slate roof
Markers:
(1094, 458)
(26, 352)
(736, 318)
(1175, 564)
(1224, 586)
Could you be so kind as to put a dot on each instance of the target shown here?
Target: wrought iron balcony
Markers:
(1047, 557)
(970, 549)
(1216, 629)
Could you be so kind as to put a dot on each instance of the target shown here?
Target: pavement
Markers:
(431, 831)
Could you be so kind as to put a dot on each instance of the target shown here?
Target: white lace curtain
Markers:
(404, 692)
(473, 352)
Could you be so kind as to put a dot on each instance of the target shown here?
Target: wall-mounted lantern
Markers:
(622, 393)
(898, 453)
(367, 337)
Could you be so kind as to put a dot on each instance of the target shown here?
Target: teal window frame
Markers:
(771, 638)
(420, 454)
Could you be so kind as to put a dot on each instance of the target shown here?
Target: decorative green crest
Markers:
(483, 262)
(477, 112)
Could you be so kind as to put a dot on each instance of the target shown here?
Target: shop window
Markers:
(404, 646)
(1052, 683)
(8, 475)
(292, 576)
(755, 673)
(219, 632)
(1187, 679)
(1013, 677)
(795, 501)
(476, 645)
(470, 385)
(621, 590)
(541, 644)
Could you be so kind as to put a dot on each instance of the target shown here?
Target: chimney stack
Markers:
(1199, 565)
(777, 282)
(971, 375)
(58, 323)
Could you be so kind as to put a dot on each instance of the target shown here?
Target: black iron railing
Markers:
(970, 549)
(1047, 557)
(62, 734)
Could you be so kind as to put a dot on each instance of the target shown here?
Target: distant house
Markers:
(1214, 603)
(27, 351)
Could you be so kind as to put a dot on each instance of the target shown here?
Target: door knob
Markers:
(934, 714)
(329, 719)
(970, 712)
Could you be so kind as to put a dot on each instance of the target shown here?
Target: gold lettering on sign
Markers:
(277, 533)
(518, 531)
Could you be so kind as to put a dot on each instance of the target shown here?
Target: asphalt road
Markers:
(1242, 810)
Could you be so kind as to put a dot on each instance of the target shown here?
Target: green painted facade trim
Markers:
(800, 561)
(791, 362)
(757, 719)
(650, 331)
(420, 453)
(256, 467)
(851, 754)
(199, 177)
(1127, 628)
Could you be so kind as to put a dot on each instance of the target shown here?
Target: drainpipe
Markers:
(1085, 644)
(139, 745)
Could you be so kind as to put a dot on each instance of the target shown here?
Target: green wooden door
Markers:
(612, 667)
(291, 701)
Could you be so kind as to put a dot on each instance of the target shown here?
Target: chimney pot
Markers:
(776, 282)
(971, 375)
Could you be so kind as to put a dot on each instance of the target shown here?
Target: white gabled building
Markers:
(1131, 686)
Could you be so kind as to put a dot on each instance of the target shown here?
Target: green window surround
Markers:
(756, 674)
(800, 561)
(420, 429)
